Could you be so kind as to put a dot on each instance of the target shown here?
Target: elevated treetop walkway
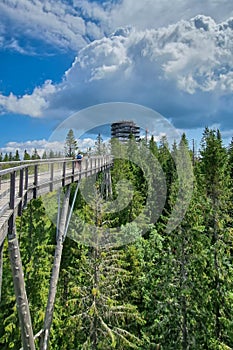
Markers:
(24, 180)
(19, 183)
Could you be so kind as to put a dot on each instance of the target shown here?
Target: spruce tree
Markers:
(214, 169)
(26, 155)
(17, 157)
(71, 144)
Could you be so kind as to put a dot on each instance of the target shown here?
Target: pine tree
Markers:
(16, 157)
(153, 146)
(6, 158)
(35, 154)
(26, 155)
(10, 156)
(101, 317)
(71, 144)
(44, 155)
(99, 145)
(214, 168)
(230, 157)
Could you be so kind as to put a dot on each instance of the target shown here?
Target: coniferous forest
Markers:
(163, 290)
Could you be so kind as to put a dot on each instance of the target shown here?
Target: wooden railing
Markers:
(25, 180)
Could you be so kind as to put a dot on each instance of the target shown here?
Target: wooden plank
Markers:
(11, 195)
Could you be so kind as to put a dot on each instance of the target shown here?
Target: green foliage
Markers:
(26, 155)
(162, 290)
(71, 144)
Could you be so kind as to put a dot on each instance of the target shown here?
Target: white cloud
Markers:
(195, 54)
(32, 105)
(70, 25)
(156, 13)
(184, 71)
(54, 22)
(43, 146)
(30, 146)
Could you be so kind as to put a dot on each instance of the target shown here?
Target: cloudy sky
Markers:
(59, 57)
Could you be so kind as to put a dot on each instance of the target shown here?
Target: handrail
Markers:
(27, 163)
(21, 183)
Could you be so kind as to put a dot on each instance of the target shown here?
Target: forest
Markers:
(162, 289)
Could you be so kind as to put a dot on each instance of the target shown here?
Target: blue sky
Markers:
(58, 58)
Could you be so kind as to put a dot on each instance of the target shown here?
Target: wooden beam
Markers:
(35, 181)
(21, 178)
(20, 292)
(44, 343)
(51, 177)
(18, 276)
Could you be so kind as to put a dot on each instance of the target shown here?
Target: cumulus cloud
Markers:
(31, 145)
(184, 71)
(44, 146)
(57, 23)
(71, 25)
(32, 105)
(156, 13)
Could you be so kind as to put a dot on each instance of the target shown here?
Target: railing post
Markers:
(80, 165)
(86, 166)
(26, 187)
(51, 177)
(35, 181)
(12, 200)
(73, 167)
(21, 175)
(64, 174)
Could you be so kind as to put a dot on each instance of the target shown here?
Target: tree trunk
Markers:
(55, 273)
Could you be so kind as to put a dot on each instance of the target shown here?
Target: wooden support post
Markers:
(110, 183)
(55, 273)
(35, 181)
(106, 183)
(1, 268)
(87, 163)
(11, 222)
(18, 276)
(51, 177)
(73, 167)
(21, 296)
(26, 187)
(64, 174)
(91, 172)
(21, 174)
(86, 166)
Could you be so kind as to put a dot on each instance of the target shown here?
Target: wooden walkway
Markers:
(30, 179)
